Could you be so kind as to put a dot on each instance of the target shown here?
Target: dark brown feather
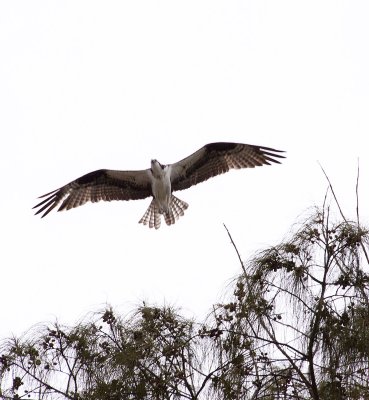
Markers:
(98, 185)
(217, 158)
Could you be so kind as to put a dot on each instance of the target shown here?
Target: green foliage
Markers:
(294, 327)
(150, 355)
(301, 311)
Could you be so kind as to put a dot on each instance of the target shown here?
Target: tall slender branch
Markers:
(235, 247)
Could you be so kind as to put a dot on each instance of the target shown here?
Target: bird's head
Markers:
(157, 168)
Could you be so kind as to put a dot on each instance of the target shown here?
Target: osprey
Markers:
(159, 181)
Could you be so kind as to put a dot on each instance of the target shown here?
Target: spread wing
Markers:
(98, 185)
(217, 158)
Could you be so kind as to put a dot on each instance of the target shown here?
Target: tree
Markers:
(295, 327)
(154, 354)
(300, 315)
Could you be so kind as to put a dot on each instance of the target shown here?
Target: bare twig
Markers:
(235, 247)
(357, 194)
(357, 209)
(334, 194)
(357, 205)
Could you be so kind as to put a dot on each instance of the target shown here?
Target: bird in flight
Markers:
(159, 181)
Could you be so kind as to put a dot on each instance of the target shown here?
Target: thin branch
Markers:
(43, 383)
(357, 209)
(357, 194)
(334, 194)
(288, 357)
(235, 247)
(357, 204)
(185, 381)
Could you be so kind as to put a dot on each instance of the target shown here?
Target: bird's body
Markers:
(161, 185)
(159, 181)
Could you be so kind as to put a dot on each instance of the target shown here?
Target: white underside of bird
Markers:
(163, 202)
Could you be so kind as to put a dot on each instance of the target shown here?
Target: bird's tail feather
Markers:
(176, 210)
(152, 216)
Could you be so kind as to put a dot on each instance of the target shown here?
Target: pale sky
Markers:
(86, 85)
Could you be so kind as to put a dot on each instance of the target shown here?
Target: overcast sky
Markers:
(86, 85)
